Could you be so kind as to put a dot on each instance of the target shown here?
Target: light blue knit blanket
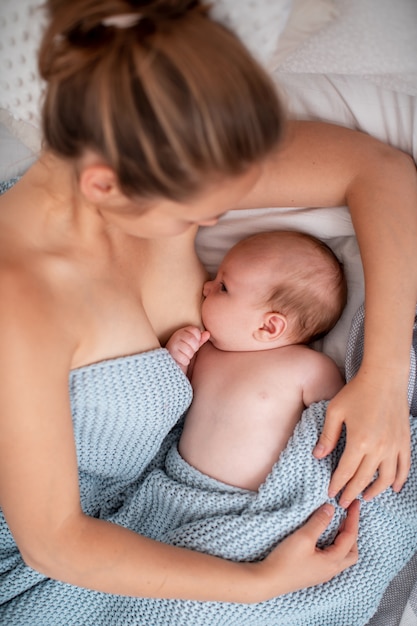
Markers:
(179, 505)
(117, 406)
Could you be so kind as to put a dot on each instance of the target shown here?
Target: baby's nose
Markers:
(207, 288)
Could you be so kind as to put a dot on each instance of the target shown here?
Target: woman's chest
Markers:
(172, 284)
(137, 301)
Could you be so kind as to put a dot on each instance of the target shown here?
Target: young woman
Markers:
(157, 120)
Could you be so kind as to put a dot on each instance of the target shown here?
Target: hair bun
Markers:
(133, 82)
(86, 23)
(163, 9)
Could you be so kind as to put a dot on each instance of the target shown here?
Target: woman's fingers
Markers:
(354, 473)
(346, 540)
(403, 468)
(328, 438)
(297, 562)
(318, 522)
(377, 452)
(343, 552)
(363, 475)
(389, 473)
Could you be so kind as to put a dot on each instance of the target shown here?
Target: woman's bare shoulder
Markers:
(32, 313)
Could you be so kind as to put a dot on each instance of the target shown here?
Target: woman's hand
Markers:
(303, 564)
(375, 412)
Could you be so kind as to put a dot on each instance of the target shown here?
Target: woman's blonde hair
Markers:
(166, 97)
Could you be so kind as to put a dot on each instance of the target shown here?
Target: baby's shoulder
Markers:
(303, 359)
(298, 354)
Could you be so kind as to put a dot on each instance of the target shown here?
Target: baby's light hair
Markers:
(308, 284)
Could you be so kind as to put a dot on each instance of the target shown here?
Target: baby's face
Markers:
(234, 303)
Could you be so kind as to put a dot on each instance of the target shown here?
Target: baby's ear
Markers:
(273, 327)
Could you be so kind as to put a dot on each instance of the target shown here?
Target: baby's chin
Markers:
(215, 342)
(220, 345)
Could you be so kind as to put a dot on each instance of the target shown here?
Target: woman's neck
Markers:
(46, 206)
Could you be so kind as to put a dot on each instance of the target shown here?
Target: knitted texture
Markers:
(7, 184)
(122, 409)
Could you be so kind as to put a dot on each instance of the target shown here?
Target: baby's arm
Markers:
(322, 380)
(184, 343)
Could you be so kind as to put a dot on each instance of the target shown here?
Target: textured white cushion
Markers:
(372, 38)
(20, 88)
(307, 17)
(258, 23)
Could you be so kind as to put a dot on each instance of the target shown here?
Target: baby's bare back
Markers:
(245, 407)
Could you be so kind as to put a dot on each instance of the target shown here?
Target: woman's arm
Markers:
(326, 165)
(39, 492)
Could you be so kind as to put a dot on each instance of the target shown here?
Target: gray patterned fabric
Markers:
(398, 606)
(7, 184)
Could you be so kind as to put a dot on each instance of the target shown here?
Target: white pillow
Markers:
(307, 18)
(272, 29)
(258, 23)
(352, 102)
(15, 157)
(333, 226)
(20, 87)
(355, 102)
(261, 24)
(369, 37)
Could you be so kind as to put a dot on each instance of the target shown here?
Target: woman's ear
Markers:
(98, 184)
(273, 327)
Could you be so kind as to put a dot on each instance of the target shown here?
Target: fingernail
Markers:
(327, 509)
(319, 449)
(332, 493)
(344, 504)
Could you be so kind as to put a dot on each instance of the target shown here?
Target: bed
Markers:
(352, 62)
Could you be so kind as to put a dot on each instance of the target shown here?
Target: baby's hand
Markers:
(184, 343)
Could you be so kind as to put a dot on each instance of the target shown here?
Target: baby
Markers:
(251, 370)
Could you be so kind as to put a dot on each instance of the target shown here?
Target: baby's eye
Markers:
(223, 287)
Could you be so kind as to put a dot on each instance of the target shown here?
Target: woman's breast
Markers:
(172, 285)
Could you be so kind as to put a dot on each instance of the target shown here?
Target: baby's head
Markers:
(274, 289)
